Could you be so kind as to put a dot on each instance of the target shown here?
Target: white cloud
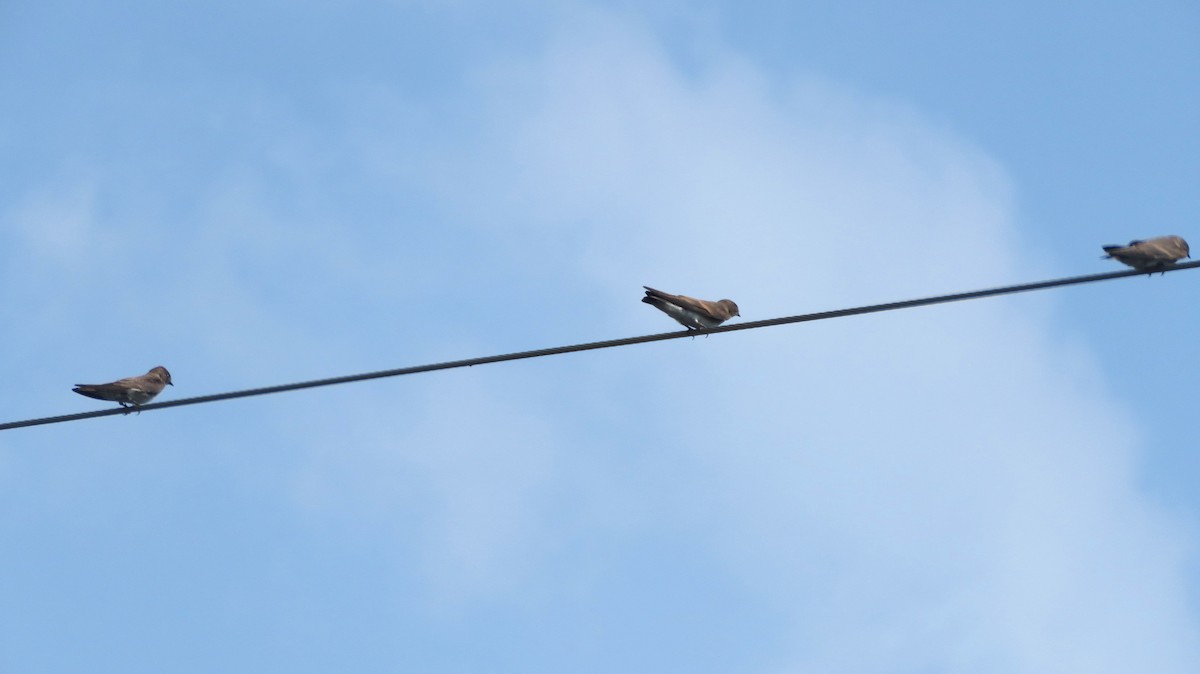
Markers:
(943, 489)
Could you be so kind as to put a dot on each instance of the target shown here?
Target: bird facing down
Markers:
(1150, 255)
(692, 313)
(135, 391)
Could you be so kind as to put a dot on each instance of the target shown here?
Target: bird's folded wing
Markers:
(100, 391)
(1148, 252)
(702, 307)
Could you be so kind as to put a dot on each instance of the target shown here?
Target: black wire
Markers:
(470, 362)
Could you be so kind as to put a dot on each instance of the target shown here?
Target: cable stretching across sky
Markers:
(590, 346)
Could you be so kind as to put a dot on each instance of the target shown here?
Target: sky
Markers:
(260, 193)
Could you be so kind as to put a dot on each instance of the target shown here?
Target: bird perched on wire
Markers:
(131, 391)
(1150, 255)
(690, 312)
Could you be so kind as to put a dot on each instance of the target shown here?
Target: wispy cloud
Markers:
(945, 489)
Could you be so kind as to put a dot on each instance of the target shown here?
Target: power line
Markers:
(538, 353)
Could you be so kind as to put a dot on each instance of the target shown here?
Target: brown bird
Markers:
(690, 312)
(1150, 255)
(135, 391)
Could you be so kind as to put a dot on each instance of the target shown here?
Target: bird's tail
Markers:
(655, 301)
(89, 390)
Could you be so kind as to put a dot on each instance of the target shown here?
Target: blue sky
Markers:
(261, 193)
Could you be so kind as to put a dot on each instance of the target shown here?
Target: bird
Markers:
(1150, 255)
(690, 312)
(131, 391)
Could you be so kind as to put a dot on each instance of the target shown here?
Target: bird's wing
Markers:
(702, 307)
(1140, 252)
(659, 294)
(102, 391)
(1151, 250)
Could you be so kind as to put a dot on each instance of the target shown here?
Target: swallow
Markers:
(690, 312)
(131, 391)
(1150, 255)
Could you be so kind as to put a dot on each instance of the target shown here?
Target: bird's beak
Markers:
(170, 383)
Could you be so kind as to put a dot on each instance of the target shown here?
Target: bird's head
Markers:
(162, 374)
